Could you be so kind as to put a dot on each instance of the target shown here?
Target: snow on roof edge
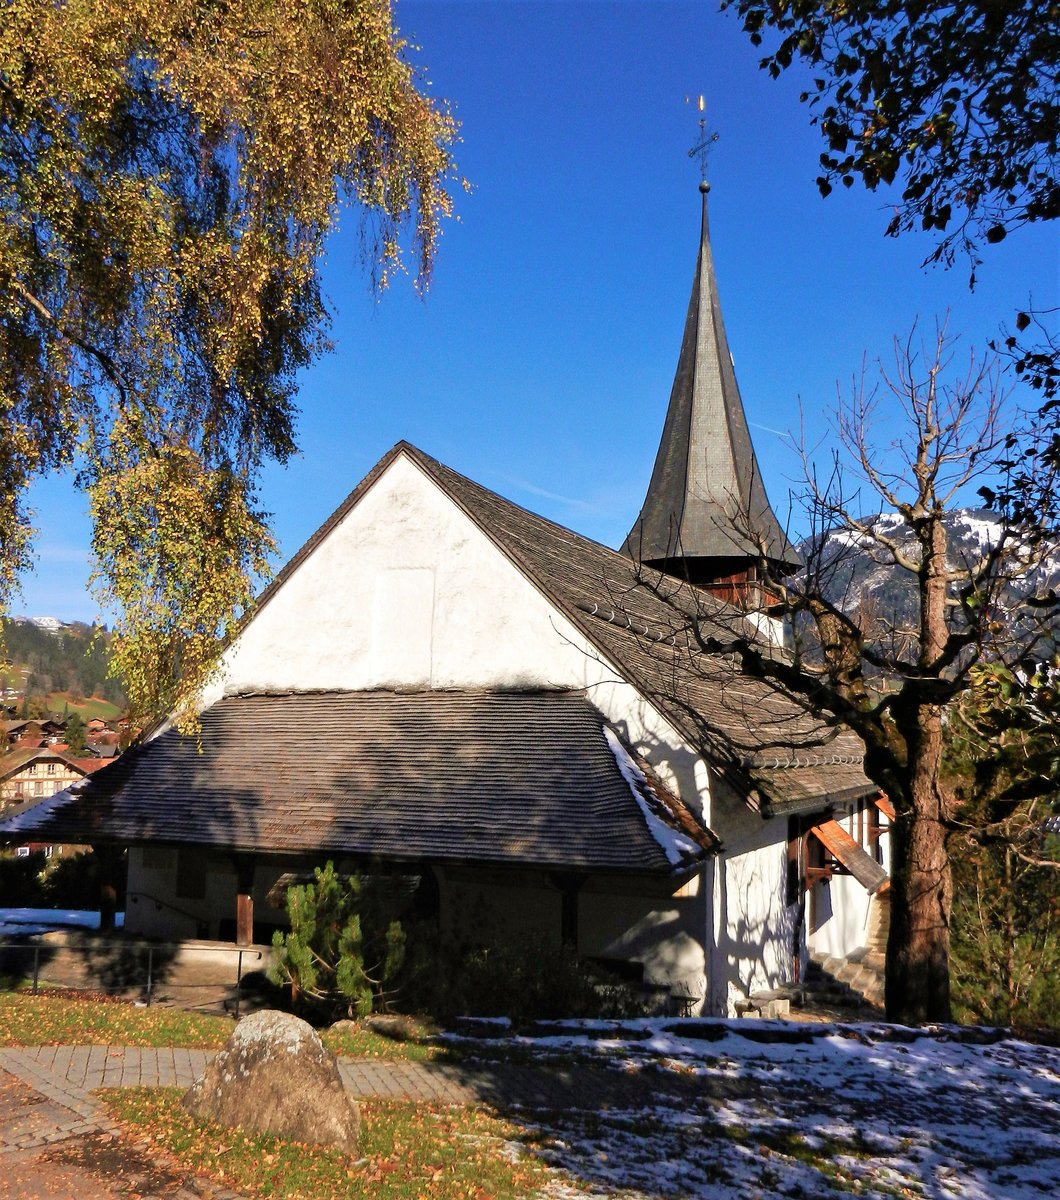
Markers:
(676, 846)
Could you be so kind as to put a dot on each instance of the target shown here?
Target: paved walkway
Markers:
(63, 1079)
(67, 1075)
(57, 1142)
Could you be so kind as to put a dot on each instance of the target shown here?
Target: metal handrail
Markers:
(150, 947)
(165, 904)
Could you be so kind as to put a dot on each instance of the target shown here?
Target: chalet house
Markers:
(24, 733)
(522, 719)
(37, 773)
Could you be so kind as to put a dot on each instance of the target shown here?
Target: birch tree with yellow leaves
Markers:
(169, 174)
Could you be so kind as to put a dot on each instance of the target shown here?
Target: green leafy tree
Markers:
(957, 102)
(1004, 754)
(1006, 931)
(168, 176)
(343, 946)
(75, 734)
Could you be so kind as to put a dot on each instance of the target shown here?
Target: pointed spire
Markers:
(706, 514)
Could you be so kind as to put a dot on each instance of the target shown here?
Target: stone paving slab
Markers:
(49, 1150)
(68, 1075)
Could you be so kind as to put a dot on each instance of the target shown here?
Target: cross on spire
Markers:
(706, 141)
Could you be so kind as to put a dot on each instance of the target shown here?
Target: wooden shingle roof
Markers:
(503, 778)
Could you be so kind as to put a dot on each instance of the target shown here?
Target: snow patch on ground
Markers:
(22, 922)
(867, 1110)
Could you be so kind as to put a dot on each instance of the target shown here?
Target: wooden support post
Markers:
(110, 861)
(568, 885)
(244, 901)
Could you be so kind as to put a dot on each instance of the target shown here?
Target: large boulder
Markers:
(274, 1075)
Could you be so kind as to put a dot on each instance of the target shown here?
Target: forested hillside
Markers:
(71, 660)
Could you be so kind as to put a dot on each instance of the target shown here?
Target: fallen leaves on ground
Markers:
(407, 1150)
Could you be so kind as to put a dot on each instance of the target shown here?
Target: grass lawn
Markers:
(92, 706)
(27, 1020)
(406, 1150)
(53, 1021)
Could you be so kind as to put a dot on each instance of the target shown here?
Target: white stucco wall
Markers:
(155, 909)
(753, 931)
(660, 925)
(656, 923)
(842, 909)
(487, 906)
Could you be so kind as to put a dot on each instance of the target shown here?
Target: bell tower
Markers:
(706, 517)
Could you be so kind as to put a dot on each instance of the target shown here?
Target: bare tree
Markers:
(893, 670)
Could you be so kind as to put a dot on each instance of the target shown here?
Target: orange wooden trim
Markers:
(849, 855)
(885, 807)
(835, 839)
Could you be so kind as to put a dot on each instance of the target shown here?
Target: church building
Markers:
(530, 725)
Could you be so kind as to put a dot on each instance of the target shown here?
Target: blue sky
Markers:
(541, 361)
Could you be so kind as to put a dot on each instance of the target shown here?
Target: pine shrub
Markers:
(344, 949)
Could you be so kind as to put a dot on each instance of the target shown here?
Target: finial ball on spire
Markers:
(704, 187)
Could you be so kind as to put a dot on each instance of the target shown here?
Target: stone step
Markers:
(856, 979)
(825, 990)
(874, 995)
(769, 1007)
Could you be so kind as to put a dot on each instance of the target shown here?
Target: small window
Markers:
(191, 874)
(22, 852)
(18, 791)
(157, 858)
(38, 788)
(48, 851)
(31, 769)
(51, 768)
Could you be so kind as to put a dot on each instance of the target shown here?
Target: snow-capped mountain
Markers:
(50, 624)
(858, 572)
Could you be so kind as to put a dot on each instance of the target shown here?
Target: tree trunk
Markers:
(918, 948)
(1008, 925)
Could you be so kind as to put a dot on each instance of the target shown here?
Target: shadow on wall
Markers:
(675, 764)
(106, 963)
(756, 949)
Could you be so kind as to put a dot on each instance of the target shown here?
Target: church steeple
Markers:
(706, 517)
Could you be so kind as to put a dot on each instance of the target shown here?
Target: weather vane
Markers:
(701, 149)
